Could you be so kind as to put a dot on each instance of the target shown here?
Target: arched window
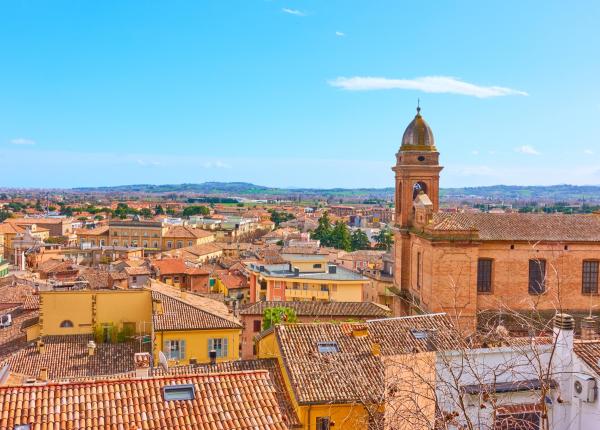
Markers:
(66, 324)
(418, 187)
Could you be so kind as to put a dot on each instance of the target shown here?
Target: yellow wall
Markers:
(196, 343)
(345, 416)
(112, 307)
(32, 332)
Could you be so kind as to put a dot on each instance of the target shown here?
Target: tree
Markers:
(384, 239)
(276, 315)
(158, 210)
(5, 215)
(340, 237)
(195, 210)
(146, 213)
(323, 230)
(360, 240)
(279, 217)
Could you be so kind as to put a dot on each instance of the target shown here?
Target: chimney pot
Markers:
(91, 346)
(588, 328)
(43, 376)
(41, 347)
(564, 322)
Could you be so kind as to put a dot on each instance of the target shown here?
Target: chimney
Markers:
(212, 355)
(43, 376)
(142, 364)
(588, 328)
(376, 349)
(158, 307)
(91, 347)
(41, 347)
(564, 326)
(359, 330)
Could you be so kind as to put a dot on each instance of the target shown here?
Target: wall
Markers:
(197, 343)
(113, 307)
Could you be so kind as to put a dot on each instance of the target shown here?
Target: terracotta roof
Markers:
(13, 337)
(8, 227)
(185, 232)
(589, 352)
(97, 279)
(67, 357)
(98, 231)
(169, 266)
(197, 300)
(353, 372)
(32, 302)
(231, 280)
(194, 252)
(180, 315)
(135, 271)
(269, 364)
(323, 309)
(241, 400)
(521, 226)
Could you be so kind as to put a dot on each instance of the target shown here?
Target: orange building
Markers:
(473, 265)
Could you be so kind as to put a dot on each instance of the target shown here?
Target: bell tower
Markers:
(417, 170)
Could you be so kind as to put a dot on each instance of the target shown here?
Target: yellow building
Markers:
(98, 236)
(334, 372)
(305, 277)
(136, 233)
(176, 237)
(183, 326)
(185, 331)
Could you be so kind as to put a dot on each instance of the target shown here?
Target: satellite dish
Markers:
(162, 359)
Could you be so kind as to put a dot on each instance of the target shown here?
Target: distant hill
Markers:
(567, 193)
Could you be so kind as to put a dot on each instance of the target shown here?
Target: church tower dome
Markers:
(418, 135)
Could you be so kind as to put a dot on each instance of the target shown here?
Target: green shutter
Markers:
(224, 354)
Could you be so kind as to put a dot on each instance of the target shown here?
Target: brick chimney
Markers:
(43, 376)
(589, 328)
(41, 347)
(142, 364)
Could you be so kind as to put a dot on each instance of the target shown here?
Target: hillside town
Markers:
(192, 311)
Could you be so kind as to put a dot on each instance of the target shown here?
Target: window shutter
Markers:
(182, 349)
(167, 348)
(224, 354)
(210, 346)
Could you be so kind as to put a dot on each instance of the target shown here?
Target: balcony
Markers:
(292, 294)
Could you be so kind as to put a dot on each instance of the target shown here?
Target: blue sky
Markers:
(296, 93)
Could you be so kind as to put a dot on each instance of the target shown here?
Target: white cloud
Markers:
(340, 33)
(475, 152)
(428, 84)
(22, 141)
(216, 165)
(588, 152)
(293, 11)
(527, 149)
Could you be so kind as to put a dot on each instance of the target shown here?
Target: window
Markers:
(323, 423)
(328, 347)
(179, 392)
(134, 279)
(419, 334)
(102, 242)
(257, 326)
(115, 233)
(125, 243)
(66, 324)
(93, 242)
(174, 349)
(179, 244)
(190, 243)
(145, 244)
(115, 243)
(324, 287)
(169, 245)
(155, 244)
(219, 345)
(317, 266)
(537, 275)
(590, 277)
(484, 275)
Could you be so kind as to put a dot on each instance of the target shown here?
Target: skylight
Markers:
(328, 347)
(178, 392)
(419, 333)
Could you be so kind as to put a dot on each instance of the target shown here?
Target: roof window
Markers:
(328, 347)
(179, 392)
(419, 334)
